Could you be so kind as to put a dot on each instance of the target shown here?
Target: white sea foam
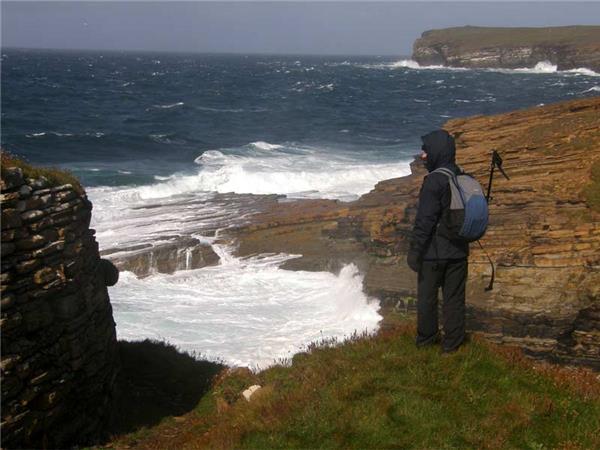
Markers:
(406, 64)
(583, 71)
(299, 172)
(247, 312)
(593, 89)
(328, 87)
(44, 133)
(261, 145)
(542, 67)
(546, 67)
(244, 311)
(169, 106)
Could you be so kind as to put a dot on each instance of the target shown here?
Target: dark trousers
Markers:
(451, 276)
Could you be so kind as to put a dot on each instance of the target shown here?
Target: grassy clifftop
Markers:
(567, 47)
(382, 392)
(53, 176)
(471, 38)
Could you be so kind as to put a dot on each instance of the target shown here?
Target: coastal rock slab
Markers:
(544, 235)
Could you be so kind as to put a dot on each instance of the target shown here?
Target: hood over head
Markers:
(440, 149)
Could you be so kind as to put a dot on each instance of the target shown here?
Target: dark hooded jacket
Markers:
(429, 239)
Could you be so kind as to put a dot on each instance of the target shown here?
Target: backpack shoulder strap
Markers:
(457, 198)
(445, 171)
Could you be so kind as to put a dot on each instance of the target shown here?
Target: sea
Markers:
(172, 145)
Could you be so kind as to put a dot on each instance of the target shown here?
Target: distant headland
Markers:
(567, 47)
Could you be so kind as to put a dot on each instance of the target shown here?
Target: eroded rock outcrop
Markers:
(481, 47)
(58, 335)
(544, 236)
(183, 253)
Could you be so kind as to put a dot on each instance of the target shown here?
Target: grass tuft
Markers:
(56, 177)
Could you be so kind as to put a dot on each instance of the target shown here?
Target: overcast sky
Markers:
(258, 27)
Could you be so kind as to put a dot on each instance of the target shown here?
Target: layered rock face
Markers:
(479, 47)
(184, 253)
(58, 334)
(544, 237)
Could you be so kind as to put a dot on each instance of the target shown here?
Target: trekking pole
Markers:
(496, 162)
(491, 285)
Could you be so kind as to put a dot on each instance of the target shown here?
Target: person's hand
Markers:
(413, 261)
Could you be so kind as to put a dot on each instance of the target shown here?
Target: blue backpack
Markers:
(467, 217)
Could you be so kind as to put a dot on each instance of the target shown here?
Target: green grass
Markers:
(56, 177)
(592, 190)
(469, 37)
(382, 392)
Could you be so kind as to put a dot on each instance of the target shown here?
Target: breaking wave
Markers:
(172, 105)
(266, 314)
(265, 168)
(541, 67)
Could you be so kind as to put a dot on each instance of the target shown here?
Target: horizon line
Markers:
(199, 52)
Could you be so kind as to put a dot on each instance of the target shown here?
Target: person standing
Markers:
(439, 260)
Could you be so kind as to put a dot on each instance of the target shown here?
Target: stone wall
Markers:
(58, 335)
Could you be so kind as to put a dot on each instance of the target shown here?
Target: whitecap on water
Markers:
(169, 106)
(247, 312)
(297, 172)
(262, 145)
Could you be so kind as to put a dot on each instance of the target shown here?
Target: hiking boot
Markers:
(436, 340)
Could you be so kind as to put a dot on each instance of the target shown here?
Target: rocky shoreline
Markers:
(568, 48)
(544, 235)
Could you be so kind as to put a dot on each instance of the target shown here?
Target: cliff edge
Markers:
(482, 47)
(544, 233)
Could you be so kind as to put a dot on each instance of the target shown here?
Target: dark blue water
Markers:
(125, 118)
(154, 136)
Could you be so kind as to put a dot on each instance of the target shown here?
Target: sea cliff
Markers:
(481, 47)
(544, 232)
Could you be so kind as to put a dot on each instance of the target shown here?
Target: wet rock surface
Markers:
(177, 235)
(544, 237)
(183, 253)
